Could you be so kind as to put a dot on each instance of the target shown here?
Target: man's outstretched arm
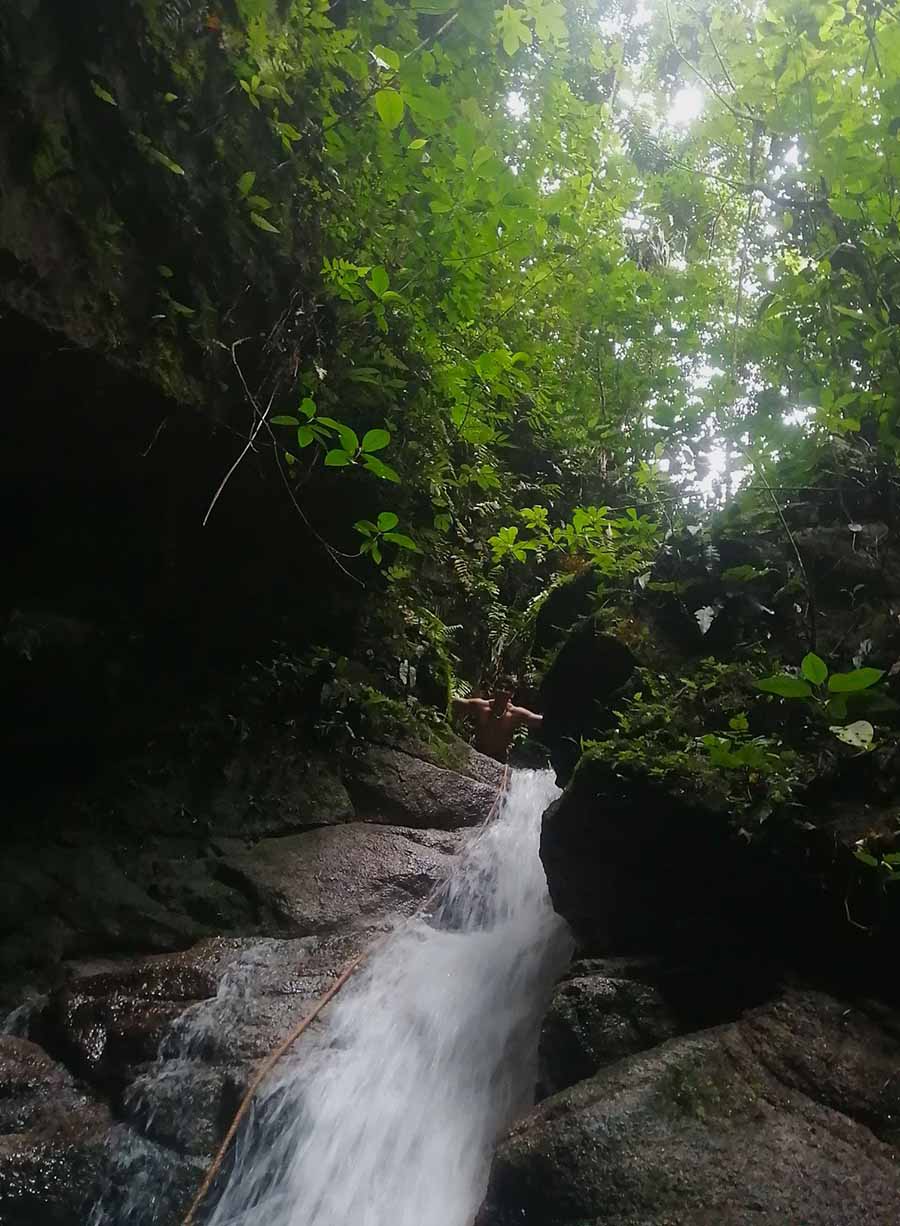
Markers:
(469, 706)
(530, 718)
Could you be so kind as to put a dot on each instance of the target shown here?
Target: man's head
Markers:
(503, 692)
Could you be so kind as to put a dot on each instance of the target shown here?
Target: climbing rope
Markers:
(275, 1056)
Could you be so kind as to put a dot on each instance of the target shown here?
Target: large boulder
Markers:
(590, 668)
(172, 1042)
(618, 860)
(334, 876)
(788, 1115)
(391, 784)
(602, 1010)
(170, 862)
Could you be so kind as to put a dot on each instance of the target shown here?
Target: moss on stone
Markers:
(53, 156)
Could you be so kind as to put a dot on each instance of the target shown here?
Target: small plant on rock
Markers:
(831, 696)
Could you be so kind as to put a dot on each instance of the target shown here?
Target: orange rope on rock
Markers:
(275, 1056)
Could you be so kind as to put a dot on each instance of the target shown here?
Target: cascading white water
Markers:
(389, 1117)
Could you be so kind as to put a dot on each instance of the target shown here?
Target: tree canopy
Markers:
(555, 269)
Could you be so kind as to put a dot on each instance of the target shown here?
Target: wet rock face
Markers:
(51, 1139)
(171, 1043)
(739, 1123)
(327, 878)
(603, 1010)
(139, 1050)
(171, 866)
(588, 670)
(615, 865)
(390, 785)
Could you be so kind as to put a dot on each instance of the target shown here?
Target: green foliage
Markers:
(375, 534)
(615, 546)
(488, 241)
(321, 430)
(886, 864)
(830, 702)
(662, 735)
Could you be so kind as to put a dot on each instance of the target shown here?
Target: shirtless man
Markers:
(496, 720)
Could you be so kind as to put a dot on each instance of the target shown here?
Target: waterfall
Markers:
(388, 1116)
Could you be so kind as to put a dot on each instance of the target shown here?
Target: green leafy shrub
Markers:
(831, 697)
(663, 734)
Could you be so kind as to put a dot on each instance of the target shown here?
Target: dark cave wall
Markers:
(121, 610)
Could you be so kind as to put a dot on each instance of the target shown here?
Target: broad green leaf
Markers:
(305, 436)
(288, 133)
(376, 552)
(375, 440)
(262, 224)
(103, 94)
(858, 735)
(387, 520)
(259, 203)
(405, 542)
(365, 526)
(387, 56)
(865, 857)
(549, 18)
(378, 281)
(784, 686)
(337, 458)
(349, 441)
(165, 271)
(389, 105)
(814, 668)
(859, 679)
(513, 31)
(380, 469)
(418, 143)
(284, 419)
(246, 181)
(743, 574)
(307, 407)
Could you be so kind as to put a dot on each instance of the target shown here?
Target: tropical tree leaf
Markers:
(784, 686)
(262, 224)
(390, 107)
(858, 679)
(380, 469)
(859, 734)
(405, 542)
(814, 668)
(375, 440)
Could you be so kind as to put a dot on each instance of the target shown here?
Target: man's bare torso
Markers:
(495, 729)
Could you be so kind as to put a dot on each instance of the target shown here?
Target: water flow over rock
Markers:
(389, 1117)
